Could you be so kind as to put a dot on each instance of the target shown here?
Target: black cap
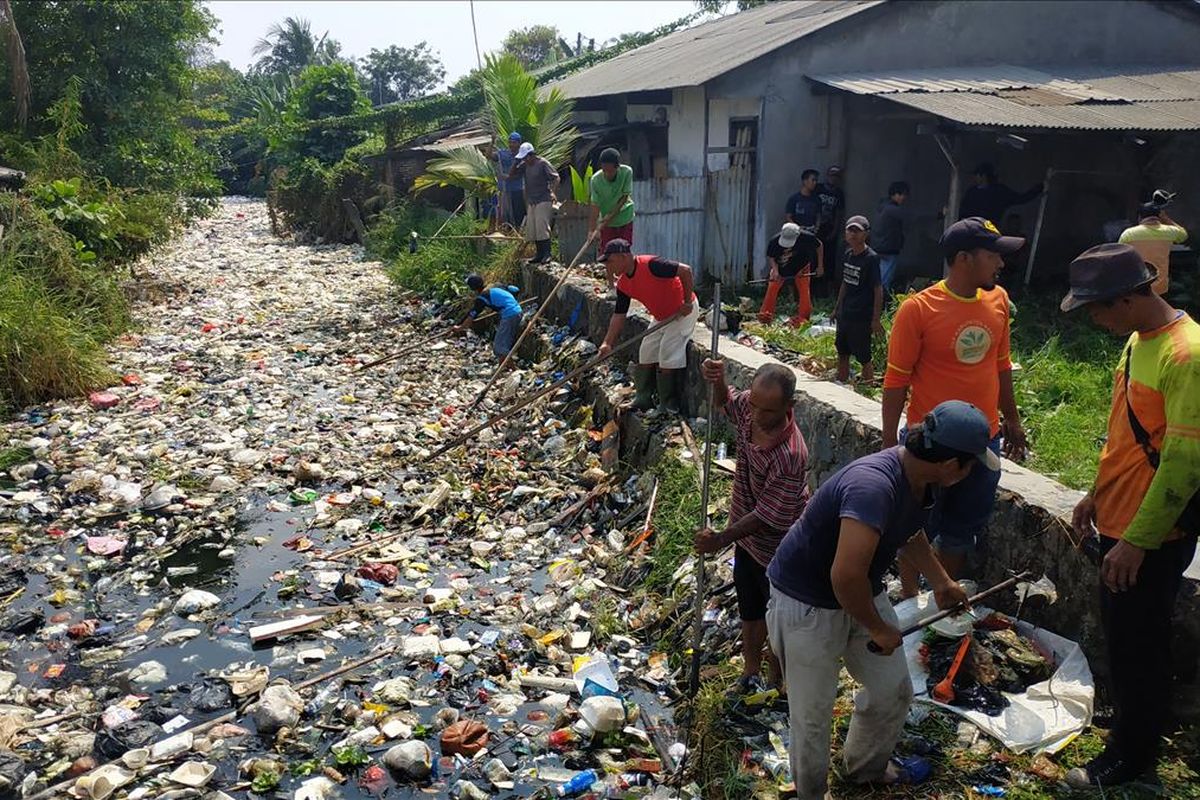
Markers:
(615, 246)
(977, 233)
(475, 281)
(1106, 272)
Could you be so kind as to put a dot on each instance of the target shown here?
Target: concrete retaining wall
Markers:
(1028, 531)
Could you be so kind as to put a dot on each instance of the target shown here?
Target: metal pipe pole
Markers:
(706, 467)
(520, 404)
(1037, 229)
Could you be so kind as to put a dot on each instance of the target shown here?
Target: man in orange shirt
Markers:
(951, 342)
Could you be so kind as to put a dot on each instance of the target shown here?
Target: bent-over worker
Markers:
(504, 302)
(828, 600)
(769, 492)
(611, 194)
(664, 287)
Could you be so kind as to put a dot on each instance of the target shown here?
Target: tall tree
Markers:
(290, 46)
(535, 46)
(401, 73)
(18, 70)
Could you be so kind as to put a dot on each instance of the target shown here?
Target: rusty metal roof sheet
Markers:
(693, 56)
(1092, 98)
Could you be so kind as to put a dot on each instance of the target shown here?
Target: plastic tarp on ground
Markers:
(1046, 716)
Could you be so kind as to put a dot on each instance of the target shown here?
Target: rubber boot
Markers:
(668, 402)
(542, 254)
(643, 382)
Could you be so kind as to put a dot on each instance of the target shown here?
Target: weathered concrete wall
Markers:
(1029, 530)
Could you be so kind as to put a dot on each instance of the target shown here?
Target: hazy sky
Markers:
(445, 24)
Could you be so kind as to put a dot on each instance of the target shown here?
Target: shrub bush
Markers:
(56, 310)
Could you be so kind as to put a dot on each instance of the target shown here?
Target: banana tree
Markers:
(514, 102)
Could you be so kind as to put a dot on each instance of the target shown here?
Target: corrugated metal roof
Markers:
(1092, 98)
(696, 55)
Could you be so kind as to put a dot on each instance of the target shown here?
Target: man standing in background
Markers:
(1152, 237)
(804, 207)
(541, 181)
(833, 203)
(989, 198)
(859, 302)
(793, 257)
(888, 235)
(611, 195)
(512, 189)
(951, 342)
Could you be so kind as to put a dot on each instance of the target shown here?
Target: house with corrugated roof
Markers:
(1097, 99)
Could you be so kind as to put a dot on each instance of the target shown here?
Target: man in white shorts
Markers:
(664, 287)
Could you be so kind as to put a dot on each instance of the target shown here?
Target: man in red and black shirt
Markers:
(664, 287)
(769, 493)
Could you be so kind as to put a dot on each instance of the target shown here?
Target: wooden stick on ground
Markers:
(515, 407)
(529, 326)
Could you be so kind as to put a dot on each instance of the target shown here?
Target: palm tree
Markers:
(513, 103)
(291, 46)
(18, 70)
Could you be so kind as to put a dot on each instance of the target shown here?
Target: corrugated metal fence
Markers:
(669, 221)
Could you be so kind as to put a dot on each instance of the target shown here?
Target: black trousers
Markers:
(1137, 633)
(516, 201)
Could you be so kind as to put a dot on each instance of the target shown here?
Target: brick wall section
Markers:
(1028, 530)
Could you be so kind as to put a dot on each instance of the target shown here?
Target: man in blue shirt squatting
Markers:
(503, 301)
(828, 603)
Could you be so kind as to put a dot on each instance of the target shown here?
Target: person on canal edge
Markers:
(769, 492)
(828, 600)
(541, 181)
(512, 189)
(1152, 237)
(504, 302)
(951, 341)
(664, 287)
(859, 302)
(1149, 473)
(793, 256)
(610, 192)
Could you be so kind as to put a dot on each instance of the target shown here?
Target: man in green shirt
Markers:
(611, 194)
(1152, 237)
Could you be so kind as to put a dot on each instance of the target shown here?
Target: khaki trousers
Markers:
(812, 643)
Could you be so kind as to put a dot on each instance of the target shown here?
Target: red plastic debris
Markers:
(102, 400)
(380, 573)
(374, 779)
(131, 380)
(208, 327)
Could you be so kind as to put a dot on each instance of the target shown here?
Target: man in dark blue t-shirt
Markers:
(828, 600)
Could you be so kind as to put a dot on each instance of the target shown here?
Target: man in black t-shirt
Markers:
(794, 256)
(833, 203)
(804, 207)
(859, 301)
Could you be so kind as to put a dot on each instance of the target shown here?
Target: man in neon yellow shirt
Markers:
(1149, 471)
(611, 194)
(1152, 237)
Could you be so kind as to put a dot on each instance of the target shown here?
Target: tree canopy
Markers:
(290, 46)
(534, 46)
(401, 73)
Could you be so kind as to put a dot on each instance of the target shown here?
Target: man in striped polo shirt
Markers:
(769, 492)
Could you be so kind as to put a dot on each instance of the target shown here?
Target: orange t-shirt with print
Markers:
(947, 347)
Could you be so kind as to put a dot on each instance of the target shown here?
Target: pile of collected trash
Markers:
(996, 659)
(233, 573)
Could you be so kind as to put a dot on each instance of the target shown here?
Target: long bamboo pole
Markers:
(529, 326)
(698, 611)
(515, 407)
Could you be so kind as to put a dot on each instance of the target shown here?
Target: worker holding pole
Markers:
(828, 600)
(664, 287)
(611, 194)
(769, 491)
(503, 301)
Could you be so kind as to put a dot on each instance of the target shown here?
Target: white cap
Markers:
(788, 234)
(524, 150)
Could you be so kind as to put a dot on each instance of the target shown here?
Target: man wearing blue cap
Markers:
(828, 600)
(504, 302)
(511, 187)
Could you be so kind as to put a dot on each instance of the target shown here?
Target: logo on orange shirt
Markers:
(971, 343)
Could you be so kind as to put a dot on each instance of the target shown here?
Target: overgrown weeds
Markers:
(441, 262)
